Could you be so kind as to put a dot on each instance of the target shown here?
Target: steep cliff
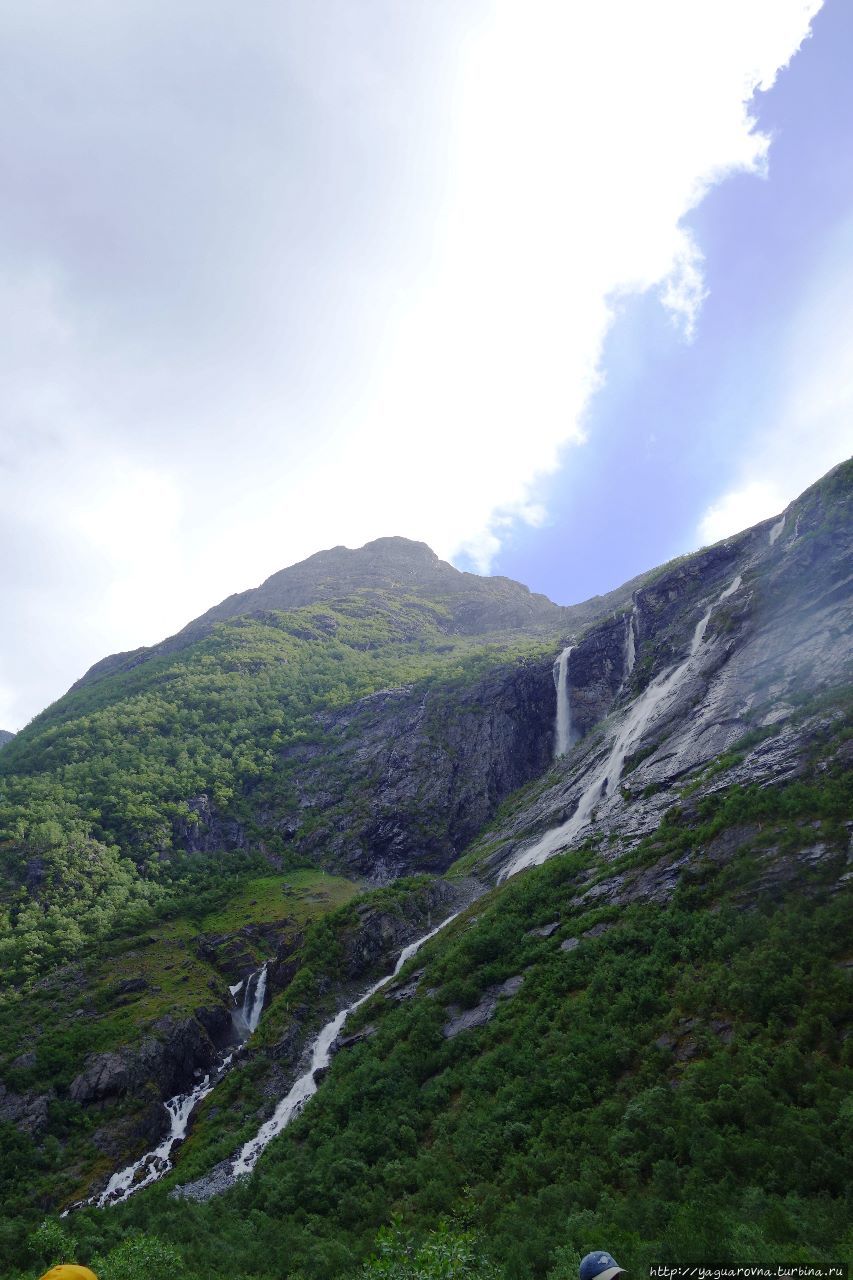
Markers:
(471, 604)
(742, 658)
(167, 825)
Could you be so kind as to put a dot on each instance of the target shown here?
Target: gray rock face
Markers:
(382, 934)
(402, 991)
(545, 930)
(429, 769)
(349, 1042)
(170, 1061)
(476, 605)
(465, 1019)
(596, 673)
(785, 635)
(28, 1111)
(209, 830)
(231, 953)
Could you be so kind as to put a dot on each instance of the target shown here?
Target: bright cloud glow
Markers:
(364, 293)
(739, 509)
(809, 430)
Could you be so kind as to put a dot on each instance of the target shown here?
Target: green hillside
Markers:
(98, 790)
(674, 1081)
(642, 1044)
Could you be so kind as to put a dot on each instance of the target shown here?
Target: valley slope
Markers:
(313, 774)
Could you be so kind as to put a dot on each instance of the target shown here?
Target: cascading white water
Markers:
(247, 1015)
(606, 776)
(306, 1085)
(605, 780)
(563, 730)
(154, 1164)
(630, 645)
(253, 1000)
(258, 1002)
(777, 529)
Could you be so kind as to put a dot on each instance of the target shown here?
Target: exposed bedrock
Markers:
(749, 699)
(403, 779)
(170, 1059)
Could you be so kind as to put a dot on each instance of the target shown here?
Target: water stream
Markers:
(563, 732)
(630, 645)
(154, 1164)
(604, 781)
(306, 1085)
(606, 775)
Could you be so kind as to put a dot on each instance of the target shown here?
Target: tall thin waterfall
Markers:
(605, 778)
(630, 645)
(253, 999)
(603, 783)
(563, 731)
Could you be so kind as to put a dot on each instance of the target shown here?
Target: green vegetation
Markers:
(677, 1084)
(671, 1078)
(102, 790)
(120, 988)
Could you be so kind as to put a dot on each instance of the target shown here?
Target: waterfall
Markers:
(630, 645)
(247, 1015)
(306, 1085)
(563, 731)
(154, 1164)
(605, 778)
(604, 782)
(253, 999)
(776, 530)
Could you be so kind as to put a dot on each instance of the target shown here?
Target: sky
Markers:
(562, 290)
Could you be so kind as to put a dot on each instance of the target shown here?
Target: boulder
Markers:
(464, 1019)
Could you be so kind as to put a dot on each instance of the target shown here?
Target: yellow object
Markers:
(68, 1271)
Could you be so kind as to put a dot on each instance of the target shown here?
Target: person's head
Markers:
(68, 1271)
(600, 1266)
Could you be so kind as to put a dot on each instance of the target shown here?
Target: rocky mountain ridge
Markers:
(750, 700)
(721, 674)
(474, 605)
(431, 772)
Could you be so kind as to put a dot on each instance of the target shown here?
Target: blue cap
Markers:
(599, 1266)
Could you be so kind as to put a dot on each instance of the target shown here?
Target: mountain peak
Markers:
(376, 562)
(393, 563)
(474, 604)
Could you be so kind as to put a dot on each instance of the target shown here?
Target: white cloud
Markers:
(738, 509)
(683, 291)
(582, 138)
(336, 279)
(809, 427)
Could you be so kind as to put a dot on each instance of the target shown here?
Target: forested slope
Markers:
(643, 1043)
(668, 1071)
